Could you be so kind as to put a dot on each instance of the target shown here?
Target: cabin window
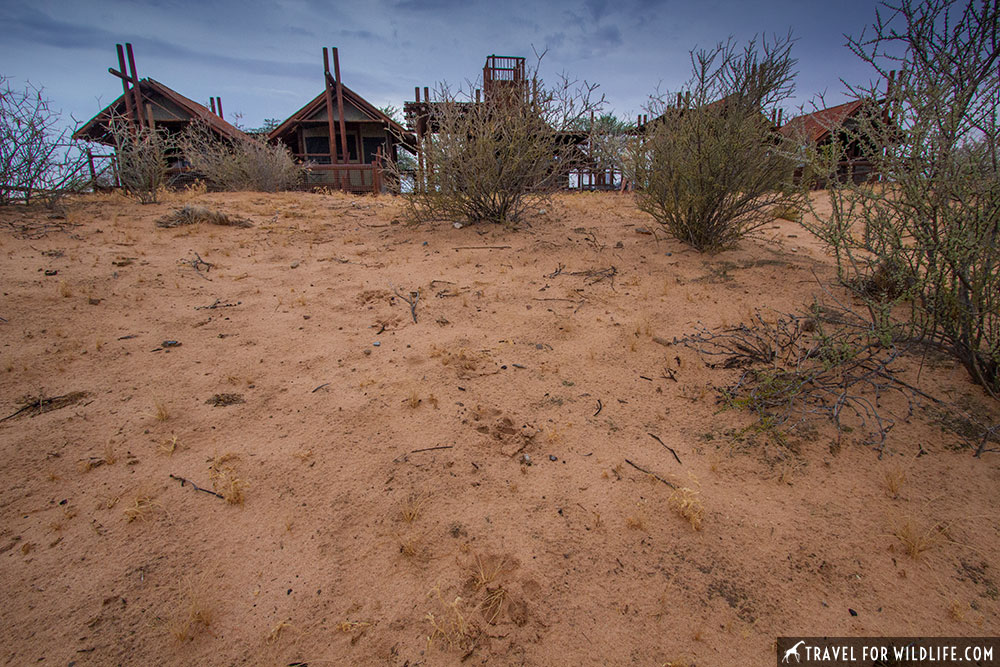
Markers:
(371, 146)
(318, 148)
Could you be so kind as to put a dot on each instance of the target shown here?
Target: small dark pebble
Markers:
(853, 613)
(170, 343)
(553, 457)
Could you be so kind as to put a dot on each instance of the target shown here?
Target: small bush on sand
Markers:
(141, 153)
(713, 167)
(494, 160)
(245, 164)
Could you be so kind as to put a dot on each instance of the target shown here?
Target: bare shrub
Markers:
(494, 160)
(926, 241)
(247, 163)
(141, 153)
(712, 168)
(37, 157)
(827, 364)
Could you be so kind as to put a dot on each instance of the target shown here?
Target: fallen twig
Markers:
(325, 384)
(431, 449)
(414, 298)
(218, 304)
(600, 406)
(198, 262)
(195, 486)
(671, 449)
(652, 474)
(481, 247)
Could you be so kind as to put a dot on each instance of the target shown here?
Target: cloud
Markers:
(35, 27)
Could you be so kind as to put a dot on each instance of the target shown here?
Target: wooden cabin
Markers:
(822, 127)
(149, 103)
(363, 137)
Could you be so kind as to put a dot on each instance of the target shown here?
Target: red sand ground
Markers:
(352, 548)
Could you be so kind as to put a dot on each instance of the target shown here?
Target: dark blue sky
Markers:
(264, 60)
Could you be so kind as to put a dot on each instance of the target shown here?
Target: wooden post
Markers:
(136, 91)
(126, 93)
(218, 103)
(93, 172)
(419, 176)
(211, 102)
(331, 128)
(340, 106)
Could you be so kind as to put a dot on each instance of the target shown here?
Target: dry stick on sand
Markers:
(195, 486)
(199, 262)
(665, 445)
(481, 247)
(412, 300)
(651, 474)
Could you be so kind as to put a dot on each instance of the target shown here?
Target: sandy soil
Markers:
(346, 544)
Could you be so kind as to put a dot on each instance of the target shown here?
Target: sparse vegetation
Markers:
(924, 241)
(245, 164)
(226, 480)
(496, 160)
(37, 158)
(686, 502)
(712, 168)
(141, 153)
(141, 509)
(196, 614)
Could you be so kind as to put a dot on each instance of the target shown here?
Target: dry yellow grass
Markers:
(917, 538)
(141, 509)
(196, 613)
(687, 503)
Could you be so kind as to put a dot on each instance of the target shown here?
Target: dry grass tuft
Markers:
(142, 508)
(413, 400)
(895, 478)
(196, 613)
(275, 633)
(65, 291)
(916, 538)
(687, 503)
(493, 603)
(168, 446)
(486, 569)
(452, 627)
(226, 480)
(412, 507)
(160, 412)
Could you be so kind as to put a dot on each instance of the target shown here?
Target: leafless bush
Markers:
(713, 167)
(829, 363)
(141, 153)
(247, 163)
(37, 157)
(494, 160)
(926, 241)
